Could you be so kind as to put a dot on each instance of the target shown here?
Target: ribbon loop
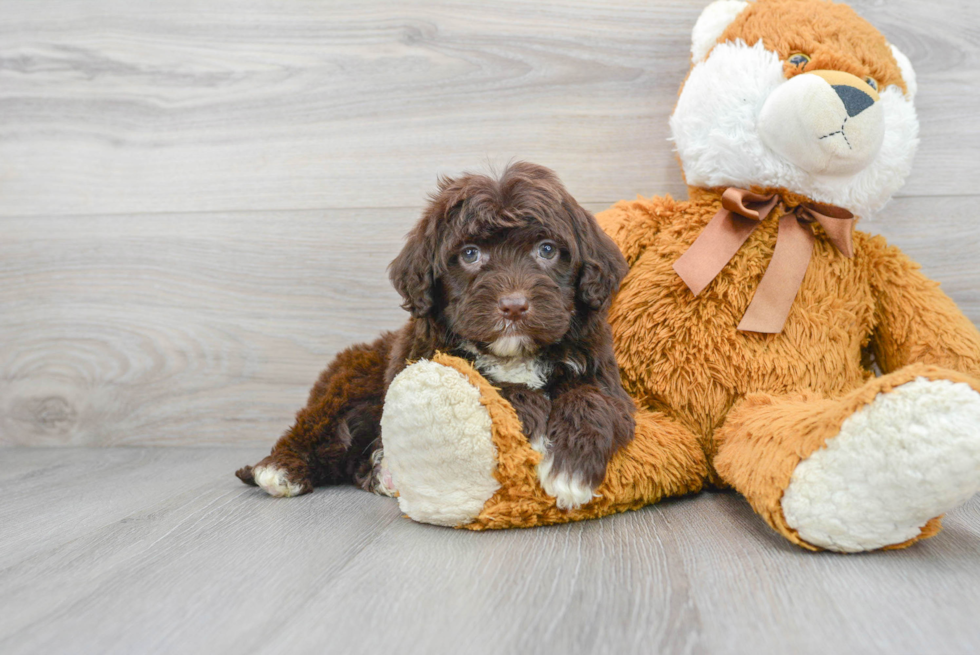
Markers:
(748, 203)
(741, 213)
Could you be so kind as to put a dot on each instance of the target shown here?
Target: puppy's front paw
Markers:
(569, 489)
(277, 480)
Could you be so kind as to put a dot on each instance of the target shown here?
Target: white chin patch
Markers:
(910, 455)
(274, 481)
(715, 128)
(511, 345)
(568, 489)
(529, 371)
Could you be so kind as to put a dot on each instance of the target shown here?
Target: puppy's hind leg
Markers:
(335, 431)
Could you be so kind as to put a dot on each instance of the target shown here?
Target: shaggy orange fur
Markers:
(739, 408)
(834, 37)
(662, 460)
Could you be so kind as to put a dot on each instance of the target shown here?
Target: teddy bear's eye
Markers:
(799, 59)
(872, 82)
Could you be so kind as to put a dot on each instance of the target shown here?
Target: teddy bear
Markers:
(770, 346)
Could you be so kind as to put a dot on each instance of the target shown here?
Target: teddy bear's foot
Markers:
(910, 455)
(438, 445)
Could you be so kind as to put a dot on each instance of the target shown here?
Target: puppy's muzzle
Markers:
(513, 307)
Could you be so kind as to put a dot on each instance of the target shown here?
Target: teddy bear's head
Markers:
(799, 95)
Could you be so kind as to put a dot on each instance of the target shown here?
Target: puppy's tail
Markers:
(245, 475)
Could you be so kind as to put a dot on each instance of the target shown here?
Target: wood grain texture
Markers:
(190, 329)
(118, 107)
(183, 558)
(198, 200)
(207, 329)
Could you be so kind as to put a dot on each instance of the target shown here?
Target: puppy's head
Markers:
(509, 264)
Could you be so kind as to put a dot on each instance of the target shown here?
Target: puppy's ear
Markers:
(412, 274)
(603, 265)
(414, 271)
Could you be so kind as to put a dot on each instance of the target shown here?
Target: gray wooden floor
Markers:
(153, 550)
(198, 200)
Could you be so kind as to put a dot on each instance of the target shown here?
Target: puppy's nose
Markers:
(513, 307)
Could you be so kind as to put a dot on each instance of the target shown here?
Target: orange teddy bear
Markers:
(748, 325)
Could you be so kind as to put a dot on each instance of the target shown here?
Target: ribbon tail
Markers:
(839, 231)
(714, 247)
(773, 299)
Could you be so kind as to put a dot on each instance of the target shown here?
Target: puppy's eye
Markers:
(547, 250)
(872, 82)
(799, 60)
(469, 254)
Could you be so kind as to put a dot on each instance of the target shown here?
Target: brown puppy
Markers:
(513, 275)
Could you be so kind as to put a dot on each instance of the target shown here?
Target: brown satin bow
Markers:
(742, 211)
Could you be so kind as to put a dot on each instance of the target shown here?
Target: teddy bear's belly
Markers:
(684, 355)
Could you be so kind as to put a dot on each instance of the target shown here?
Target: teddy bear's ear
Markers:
(908, 73)
(711, 23)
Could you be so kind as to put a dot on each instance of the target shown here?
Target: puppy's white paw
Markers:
(275, 481)
(383, 484)
(569, 490)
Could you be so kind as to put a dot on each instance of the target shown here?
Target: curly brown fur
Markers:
(513, 275)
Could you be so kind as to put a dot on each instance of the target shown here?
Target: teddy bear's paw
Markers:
(438, 445)
(277, 480)
(569, 490)
(910, 455)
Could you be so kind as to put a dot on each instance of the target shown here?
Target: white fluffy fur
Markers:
(715, 18)
(511, 345)
(910, 455)
(273, 481)
(529, 371)
(908, 73)
(438, 445)
(715, 129)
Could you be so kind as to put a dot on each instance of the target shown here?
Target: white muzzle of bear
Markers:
(825, 122)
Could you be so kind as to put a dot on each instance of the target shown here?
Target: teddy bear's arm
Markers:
(633, 224)
(915, 321)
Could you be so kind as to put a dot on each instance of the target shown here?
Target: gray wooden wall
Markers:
(198, 200)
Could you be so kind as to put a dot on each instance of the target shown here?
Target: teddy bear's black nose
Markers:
(855, 100)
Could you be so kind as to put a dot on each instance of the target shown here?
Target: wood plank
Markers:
(187, 329)
(55, 496)
(207, 329)
(120, 107)
(223, 568)
(143, 568)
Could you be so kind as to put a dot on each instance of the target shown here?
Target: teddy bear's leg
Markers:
(874, 469)
(438, 444)
(457, 455)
